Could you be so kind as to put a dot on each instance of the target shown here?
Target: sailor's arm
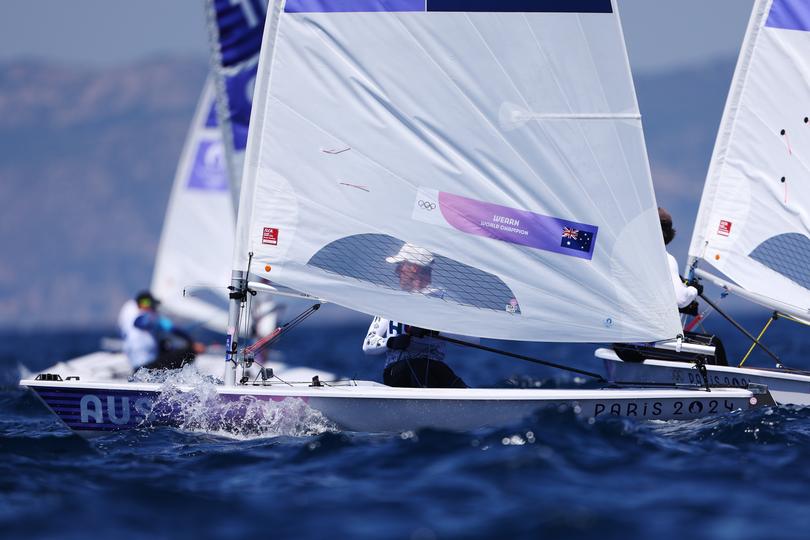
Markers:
(684, 295)
(377, 337)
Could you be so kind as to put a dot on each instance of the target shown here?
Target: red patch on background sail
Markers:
(725, 228)
(270, 236)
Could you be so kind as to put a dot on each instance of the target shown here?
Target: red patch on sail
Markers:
(270, 236)
(725, 228)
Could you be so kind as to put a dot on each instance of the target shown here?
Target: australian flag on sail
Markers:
(575, 239)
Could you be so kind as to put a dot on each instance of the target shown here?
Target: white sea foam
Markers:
(201, 409)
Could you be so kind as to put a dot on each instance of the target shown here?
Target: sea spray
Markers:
(191, 400)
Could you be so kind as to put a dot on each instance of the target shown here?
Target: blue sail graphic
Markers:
(236, 28)
(789, 15)
(786, 254)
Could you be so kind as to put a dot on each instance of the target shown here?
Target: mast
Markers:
(239, 276)
(238, 297)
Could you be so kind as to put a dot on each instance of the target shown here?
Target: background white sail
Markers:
(198, 229)
(235, 32)
(502, 136)
(754, 218)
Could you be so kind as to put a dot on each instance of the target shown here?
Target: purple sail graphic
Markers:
(519, 226)
(208, 171)
(789, 15)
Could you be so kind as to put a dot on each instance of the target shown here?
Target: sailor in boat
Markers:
(685, 294)
(414, 356)
(152, 340)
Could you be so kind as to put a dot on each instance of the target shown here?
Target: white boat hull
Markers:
(371, 407)
(786, 387)
(106, 366)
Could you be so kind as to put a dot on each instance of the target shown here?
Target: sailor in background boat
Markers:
(152, 340)
(685, 295)
(414, 357)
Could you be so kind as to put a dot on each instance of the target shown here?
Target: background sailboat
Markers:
(753, 224)
(199, 224)
(754, 219)
(197, 235)
(195, 246)
(235, 34)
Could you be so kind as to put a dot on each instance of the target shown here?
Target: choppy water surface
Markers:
(741, 475)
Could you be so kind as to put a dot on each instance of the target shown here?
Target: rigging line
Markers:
(596, 376)
(762, 333)
(699, 320)
(743, 330)
(791, 318)
(276, 335)
(636, 384)
(282, 380)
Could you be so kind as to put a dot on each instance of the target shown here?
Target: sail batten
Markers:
(754, 219)
(389, 170)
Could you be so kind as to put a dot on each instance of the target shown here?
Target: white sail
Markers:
(754, 218)
(199, 224)
(500, 140)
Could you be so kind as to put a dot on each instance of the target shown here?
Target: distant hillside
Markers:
(87, 158)
(86, 162)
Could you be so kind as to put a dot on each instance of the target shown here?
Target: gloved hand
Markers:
(697, 285)
(398, 343)
(692, 309)
(415, 331)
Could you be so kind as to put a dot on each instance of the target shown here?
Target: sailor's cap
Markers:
(412, 254)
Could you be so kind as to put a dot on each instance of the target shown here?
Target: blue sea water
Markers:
(741, 475)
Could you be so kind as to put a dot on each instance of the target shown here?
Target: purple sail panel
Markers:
(461, 6)
(519, 226)
(208, 171)
(789, 15)
(338, 6)
(239, 88)
(240, 26)
(521, 6)
(211, 120)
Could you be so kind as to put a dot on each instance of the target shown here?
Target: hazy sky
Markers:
(660, 33)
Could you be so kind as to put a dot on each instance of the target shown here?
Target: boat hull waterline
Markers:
(371, 407)
(786, 387)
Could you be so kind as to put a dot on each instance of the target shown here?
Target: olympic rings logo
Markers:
(427, 205)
